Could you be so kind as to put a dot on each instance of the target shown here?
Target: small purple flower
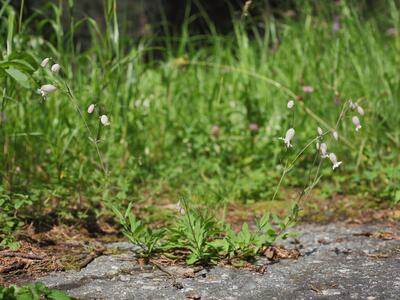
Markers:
(215, 131)
(253, 127)
(336, 24)
(308, 89)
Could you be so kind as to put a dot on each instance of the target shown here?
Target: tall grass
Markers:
(162, 110)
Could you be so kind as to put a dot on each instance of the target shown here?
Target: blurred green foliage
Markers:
(165, 93)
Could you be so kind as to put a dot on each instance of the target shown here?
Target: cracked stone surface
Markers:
(338, 262)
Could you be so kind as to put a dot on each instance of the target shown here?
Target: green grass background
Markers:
(164, 93)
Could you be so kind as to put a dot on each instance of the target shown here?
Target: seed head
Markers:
(288, 137)
(356, 122)
(55, 68)
(334, 161)
(90, 108)
(46, 89)
(44, 62)
(290, 104)
(104, 120)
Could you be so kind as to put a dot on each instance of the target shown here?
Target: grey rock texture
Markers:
(338, 262)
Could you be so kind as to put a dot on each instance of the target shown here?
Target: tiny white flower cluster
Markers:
(323, 149)
(355, 119)
(290, 104)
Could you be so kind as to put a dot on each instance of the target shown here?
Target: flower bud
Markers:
(44, 62)
(90, 108)
(323, 148)
(356, 122)
(55, 68)
(360, 110)
(290, 104)
(335, 135)
(104, 120)
(46, 89)
(320, 131)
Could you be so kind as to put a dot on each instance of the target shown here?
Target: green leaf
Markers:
(18, 76)
(58, 295)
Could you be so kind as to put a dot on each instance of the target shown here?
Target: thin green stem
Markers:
(92, 138)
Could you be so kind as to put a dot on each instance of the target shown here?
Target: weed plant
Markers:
(203, 118)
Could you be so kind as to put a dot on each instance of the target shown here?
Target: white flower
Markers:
(323, 148)
(45, 62)
(289, 135)
(334, 161)
(352, 104)
(90, 108)
(320, 131)
(360, 110)
(46, 89)
(317, 145)
(55, 68)
(104, 120)
(356, 122)
(335, 135)
(290, 104)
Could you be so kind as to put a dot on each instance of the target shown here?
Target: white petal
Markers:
(55, 68)
(90, 108)
(47, 89)
(44, 62)
(104, 120)
(335, 135)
